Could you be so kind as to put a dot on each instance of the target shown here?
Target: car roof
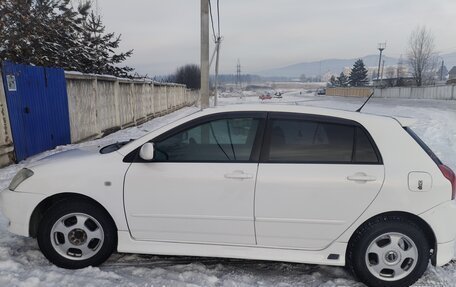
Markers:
(403, 121)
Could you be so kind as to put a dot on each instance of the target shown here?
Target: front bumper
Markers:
(17, 207)
(441, 219)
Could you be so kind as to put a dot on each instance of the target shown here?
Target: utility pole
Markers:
(441, 71)
(238, 75)
(319, 73)
(204, 91)
(381, 47)
(219, 39)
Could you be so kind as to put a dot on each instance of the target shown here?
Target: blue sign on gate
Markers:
(37, 106)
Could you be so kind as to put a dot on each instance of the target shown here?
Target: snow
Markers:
(22, 264)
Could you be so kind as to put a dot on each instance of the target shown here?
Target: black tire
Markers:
(366, 234)
(67, 207)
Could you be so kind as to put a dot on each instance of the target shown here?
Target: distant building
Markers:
(442, 73)
(452, 76)
(394, 82)
(452, 73)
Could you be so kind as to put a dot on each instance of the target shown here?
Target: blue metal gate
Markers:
(37, 106)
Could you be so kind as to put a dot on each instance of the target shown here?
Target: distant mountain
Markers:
(336, 66)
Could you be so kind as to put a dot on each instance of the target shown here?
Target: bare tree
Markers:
(189, 75)
(421, 55)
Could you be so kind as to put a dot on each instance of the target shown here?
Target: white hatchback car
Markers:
(284, 183)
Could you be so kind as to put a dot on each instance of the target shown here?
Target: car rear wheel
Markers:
(389, 251)
(75, 234)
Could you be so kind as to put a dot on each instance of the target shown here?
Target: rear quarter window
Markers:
(423, 145)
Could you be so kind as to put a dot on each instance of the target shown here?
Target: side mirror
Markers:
(147, 151)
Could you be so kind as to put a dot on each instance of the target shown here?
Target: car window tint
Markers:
(308, 141)
(365, 152)
(220, 140)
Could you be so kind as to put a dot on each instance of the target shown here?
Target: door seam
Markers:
(254, 203)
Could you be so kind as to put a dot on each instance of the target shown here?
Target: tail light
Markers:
(449, 174)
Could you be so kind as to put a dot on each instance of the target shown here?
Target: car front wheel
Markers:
(75, 234)
(389, 252)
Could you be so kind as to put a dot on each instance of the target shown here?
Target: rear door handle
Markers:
(361, 177)
(238, 174)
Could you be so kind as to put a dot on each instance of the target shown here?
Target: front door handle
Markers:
(361, 177)
(238, 174)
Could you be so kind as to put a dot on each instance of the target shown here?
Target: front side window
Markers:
(224, 140)
(308, 141)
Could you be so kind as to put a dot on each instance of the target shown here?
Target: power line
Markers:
(218, 17)
(212, 21)
(217, 41)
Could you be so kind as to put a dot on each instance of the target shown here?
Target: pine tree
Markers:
(103, 59)
(54, 33)
(342, 80)
(333, 81)
(358, 75)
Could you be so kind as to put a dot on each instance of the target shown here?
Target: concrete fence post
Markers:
(117, 103)
(6, 140)
(152, 98)
(95, 103)
(175, 88)
(167, 99)
(158, 96)
(132, 99)
(144, 105)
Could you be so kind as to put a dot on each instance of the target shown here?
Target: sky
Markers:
(266, 34)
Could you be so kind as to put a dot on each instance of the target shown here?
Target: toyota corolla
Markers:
(284, 183)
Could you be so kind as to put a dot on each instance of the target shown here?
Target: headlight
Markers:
(22, 175)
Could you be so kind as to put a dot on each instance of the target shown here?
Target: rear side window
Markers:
(306, 141)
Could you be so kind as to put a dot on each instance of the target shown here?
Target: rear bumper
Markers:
(441, 219)
(17, 207)
(445, 252)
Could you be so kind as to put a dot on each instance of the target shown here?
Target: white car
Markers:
(283, 183)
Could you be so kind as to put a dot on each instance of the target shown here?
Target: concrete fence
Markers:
(6, 139)
(102, 104)
(447, 92)
(349, 92)
(99, 105)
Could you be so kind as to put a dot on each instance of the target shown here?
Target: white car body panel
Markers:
(315, 207)
(191, 202)
(129, 245)
(217, 226)
(85, 172)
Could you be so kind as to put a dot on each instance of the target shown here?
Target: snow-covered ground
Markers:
(22, 264)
